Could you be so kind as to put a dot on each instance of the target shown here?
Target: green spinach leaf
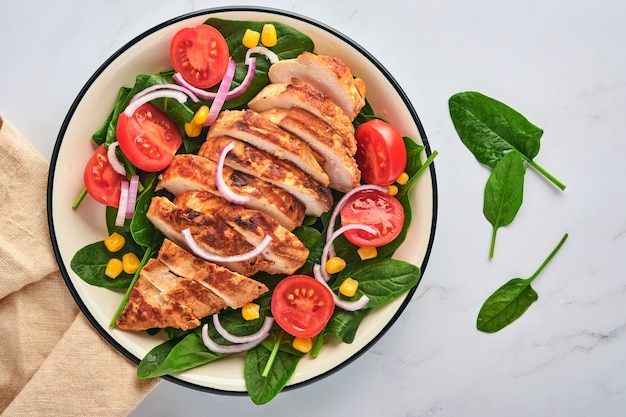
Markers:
(490, 129)
(510, 301)
(504, 193)
(262, 389)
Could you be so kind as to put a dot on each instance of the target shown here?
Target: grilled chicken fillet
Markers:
(336, 156)
(191, 172)
(330, 75)
(251, 127)
(286, 251)
(209, 233)
(297, 93)
(263, 165)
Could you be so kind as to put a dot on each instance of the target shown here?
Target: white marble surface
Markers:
(562, 64)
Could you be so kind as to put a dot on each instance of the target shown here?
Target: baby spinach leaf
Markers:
(510, 301)
(490, 129)
(504, 193)
(176, 355)
(382, 280)
(262, 389)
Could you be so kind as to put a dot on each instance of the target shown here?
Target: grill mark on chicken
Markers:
(208, 232)
(286, 252)
(251, 127)
(192, 172)
(283, 174)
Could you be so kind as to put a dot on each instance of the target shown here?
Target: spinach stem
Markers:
(548, 259)
(270, 361)
(493, 242)
(79, 199)
(419, 172)
(546, 174)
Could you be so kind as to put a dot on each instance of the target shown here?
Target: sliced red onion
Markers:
(237, 348)
(113, 161)
(273, 58)
(210, 95)
(132, 196)
(222, 187)
(342, 304)
(134, 105)
(211, 257)
(121, 210)
(334, 235)
(222, 91)
(267, 325)
(167, 86)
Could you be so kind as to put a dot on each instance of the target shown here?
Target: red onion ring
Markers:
(134, 105)
(211, 257)
(222, 91)
(222, 187)
(217, 348)
(113, 161)
(264, 330)
(210, 95)
(121, 210)
(342, 304)
(334, 235)
(271, 56)
(132, 196)
(167, 86)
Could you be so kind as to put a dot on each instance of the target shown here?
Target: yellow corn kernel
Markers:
(302, 344)
(250, 311)
(403, 178)
(367, 253)
(348, 287)
(193, 130)
(114, 242)
(392, 189)
(200, 116)
(335, 264)
(268, 35)
(250, 38)
(114, 268)
(130, 262)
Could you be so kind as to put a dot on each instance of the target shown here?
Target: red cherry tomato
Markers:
(381, 154)
(372, 208)
(148, 138)
(200, 54)
(102, 182)
(301, 305)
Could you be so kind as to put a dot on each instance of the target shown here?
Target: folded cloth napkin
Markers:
(52, 361)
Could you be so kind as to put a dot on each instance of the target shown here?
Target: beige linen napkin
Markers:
(52, 361)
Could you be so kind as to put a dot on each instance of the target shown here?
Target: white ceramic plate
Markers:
(71, 230)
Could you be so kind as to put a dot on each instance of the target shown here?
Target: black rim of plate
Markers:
(208, 12)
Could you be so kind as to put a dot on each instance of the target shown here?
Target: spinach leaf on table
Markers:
(510, 301)
(490, 129)
(504, 193)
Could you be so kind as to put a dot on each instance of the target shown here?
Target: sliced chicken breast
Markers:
(336, 157)
(263, 165)
(209, 233)
(297, 93)
(235, 289)
(330, 75)
(251, 127)
(147, 308)
(191, 172)
(286, 252)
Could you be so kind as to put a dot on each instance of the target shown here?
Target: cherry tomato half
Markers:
(373, 208)
(381, 154)
(301, 305)
(200, 54)
(148, 138)
(102, 182)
